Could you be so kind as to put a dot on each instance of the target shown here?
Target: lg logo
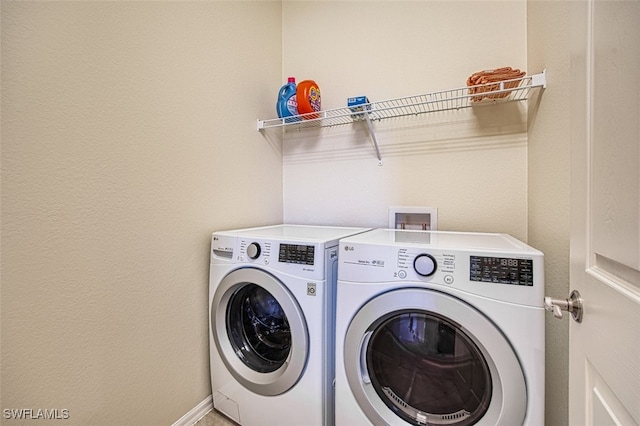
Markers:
(348, 248)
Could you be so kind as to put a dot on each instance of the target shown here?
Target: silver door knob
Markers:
(573, 305)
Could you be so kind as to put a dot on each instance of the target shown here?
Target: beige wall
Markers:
(470, 164)
(128, 136)
(548, 40)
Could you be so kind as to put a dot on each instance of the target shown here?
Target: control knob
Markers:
(425, 264)
(253, 250)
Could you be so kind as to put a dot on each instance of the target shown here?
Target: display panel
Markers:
(294, 253)
(501, 270)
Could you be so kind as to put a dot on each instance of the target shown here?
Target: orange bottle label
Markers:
(309, 99)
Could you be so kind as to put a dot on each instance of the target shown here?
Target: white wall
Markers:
(470, 164)
(128, 136)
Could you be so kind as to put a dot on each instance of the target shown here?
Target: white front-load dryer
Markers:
(439, 328)
(271, 318)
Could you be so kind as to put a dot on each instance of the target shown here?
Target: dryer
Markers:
(271, 322)
(439, 328)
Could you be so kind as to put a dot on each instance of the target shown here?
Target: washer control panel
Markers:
(287, 253)
(303, 259)
(254, 250)
(251, 250)
(296, 253)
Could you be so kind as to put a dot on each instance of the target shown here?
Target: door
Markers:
(417, 356)
(604, 361)
(260, 331)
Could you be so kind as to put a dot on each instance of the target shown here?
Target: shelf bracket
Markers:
(372, 134)
(539, 80)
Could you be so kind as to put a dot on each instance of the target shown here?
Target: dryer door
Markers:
(421, 357)
(259, 331)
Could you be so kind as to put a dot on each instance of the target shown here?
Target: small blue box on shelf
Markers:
(358, 104)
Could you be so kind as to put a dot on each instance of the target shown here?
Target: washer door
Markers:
(421, 357)
(260, 331)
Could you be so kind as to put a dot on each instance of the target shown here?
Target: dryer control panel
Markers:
(501, 270)
(492, 265)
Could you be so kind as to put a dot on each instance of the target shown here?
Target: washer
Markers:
(271, 317)
(439, 328)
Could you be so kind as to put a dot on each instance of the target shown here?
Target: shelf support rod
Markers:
(373, 138)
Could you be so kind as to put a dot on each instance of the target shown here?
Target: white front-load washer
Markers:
(271, 318)
(439, 328)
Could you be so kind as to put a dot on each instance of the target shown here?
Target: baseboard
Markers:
(196, 413)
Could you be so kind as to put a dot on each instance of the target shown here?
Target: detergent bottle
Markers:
(287, 105)
(308, 98)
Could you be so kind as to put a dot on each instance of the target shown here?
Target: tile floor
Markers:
(213, 418)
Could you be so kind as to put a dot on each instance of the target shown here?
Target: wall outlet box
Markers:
(419, 218)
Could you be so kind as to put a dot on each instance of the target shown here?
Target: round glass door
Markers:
(416, 356)
(260, 331)
(427, 370)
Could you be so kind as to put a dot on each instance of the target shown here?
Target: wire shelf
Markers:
(453, 99)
